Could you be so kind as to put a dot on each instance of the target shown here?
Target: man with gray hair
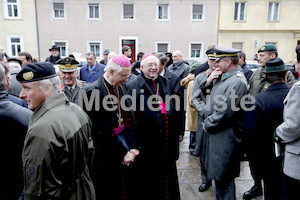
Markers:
(178, 66)
(113, 130)
(158, 127)
(92, 70)
(58, 148)
(15, 120)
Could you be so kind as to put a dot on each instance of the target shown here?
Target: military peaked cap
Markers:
(221, 52)
(15, 60)
(210, 53)
(67, 64)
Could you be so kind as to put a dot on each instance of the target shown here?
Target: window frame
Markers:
(168, 10)
(201, 51)
(100, 47)
(162, 42)
(239, 11)
(203, 12)
(242, 43)
(9, 44)
(5, 9)
(54, 42)
(88, 11)
(53, 11)
(134, 12)
(272, 11)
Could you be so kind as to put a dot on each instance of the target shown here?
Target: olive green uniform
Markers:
(258, 83)
(57, 152)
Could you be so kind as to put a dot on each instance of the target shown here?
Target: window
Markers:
(63, 48)
(59, 10)
(93, 11)
(196, 50)
(163, 11)
(239, 11)
(95, 47)
(238, 45)
(273, 11)
(274, 43)
(162, 47)
(15, 45)
(197, 12)
(128, 11)
(12, 9)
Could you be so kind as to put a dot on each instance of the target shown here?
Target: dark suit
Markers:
(157, 133)
(107, 170)
(14, 120)
(259, 127)
(247, 71)
(201, 68)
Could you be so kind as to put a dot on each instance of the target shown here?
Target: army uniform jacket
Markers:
(198, 101)
(223, 127)
(73, 96)
(258, 83)
(57, 152)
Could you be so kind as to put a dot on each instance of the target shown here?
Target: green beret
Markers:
(35, 72)
(267, 47)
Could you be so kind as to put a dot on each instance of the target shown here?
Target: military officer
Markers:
(260, 124)
(70, 84)
(221, 121)
(257, 81)
(58, 147)
(198, 98)
(257, 84)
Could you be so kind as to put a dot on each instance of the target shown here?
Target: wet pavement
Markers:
(189, 176)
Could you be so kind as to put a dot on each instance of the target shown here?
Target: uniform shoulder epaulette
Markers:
(239, 74)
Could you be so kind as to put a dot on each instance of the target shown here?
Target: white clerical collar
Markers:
(104, 76)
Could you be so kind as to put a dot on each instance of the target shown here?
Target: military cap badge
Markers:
(28, 76)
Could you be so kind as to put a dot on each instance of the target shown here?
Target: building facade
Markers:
(249, 24)
(149, 26)
(18, 27)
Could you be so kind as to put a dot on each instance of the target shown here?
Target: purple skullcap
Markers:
(121, 60)
(146, 56)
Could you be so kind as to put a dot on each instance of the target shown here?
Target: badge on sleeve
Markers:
(32, 171)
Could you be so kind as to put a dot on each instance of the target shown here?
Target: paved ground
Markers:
(189, 176)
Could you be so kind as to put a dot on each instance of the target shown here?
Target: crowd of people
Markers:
(111, 130)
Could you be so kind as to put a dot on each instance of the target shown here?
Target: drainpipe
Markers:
(37, 30)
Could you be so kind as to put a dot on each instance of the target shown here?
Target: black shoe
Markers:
(204, 186)
(253, 192)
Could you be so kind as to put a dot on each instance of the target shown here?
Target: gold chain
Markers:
(120, 120)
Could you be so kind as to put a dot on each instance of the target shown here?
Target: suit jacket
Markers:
(260, 124)
(289, 132)
(247, 71)
(14, 120)
(85, 74)
(201, 68)
(182, 70)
